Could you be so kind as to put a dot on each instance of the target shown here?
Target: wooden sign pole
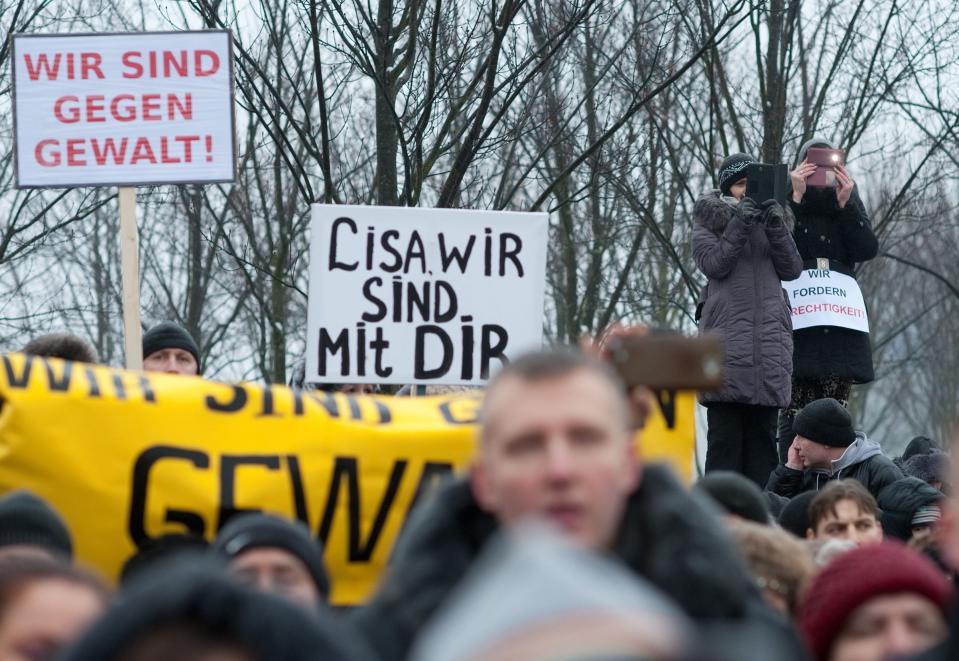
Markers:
(130, 266)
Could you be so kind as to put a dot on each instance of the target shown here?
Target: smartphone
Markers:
(825, 161)
(663, 360)
(766, 181)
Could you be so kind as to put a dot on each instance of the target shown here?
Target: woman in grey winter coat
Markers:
(745, 250)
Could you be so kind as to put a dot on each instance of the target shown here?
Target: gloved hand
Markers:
(750, 211)
(773, 214)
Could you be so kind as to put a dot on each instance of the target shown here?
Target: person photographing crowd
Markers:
(745, 249)
(832, 231)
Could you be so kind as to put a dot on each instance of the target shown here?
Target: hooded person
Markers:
(827, 447)
(916, 446)
(532, 595)
(275, 555)
(909, 507)
(745, 251)
(30, 526)
(832, 231)
(169, 348)
(875, 603)
(189, 609)
(932, 468)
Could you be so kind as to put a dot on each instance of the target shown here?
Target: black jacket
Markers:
(845, 237)
(899, 502)
(862, 461)
(669, 537)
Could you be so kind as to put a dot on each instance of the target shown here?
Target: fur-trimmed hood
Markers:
(714, 210)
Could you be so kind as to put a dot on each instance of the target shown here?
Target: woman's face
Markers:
(738, 189)
(46, 616)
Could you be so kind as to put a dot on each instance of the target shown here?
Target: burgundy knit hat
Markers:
(857, 576)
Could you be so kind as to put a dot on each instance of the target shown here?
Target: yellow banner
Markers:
(126, 457)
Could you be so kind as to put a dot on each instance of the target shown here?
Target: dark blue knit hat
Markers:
(732, 169)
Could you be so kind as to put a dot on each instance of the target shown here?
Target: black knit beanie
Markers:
(732, 169)
(825, 421)
(736, 494)
(168, 335)
(795, 515)
(250, 531)
(28, 520)
(192, 593)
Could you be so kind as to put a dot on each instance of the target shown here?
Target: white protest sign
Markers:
(408, 295)
(821, 297)
(123, 109)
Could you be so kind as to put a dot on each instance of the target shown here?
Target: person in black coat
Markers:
(908, 504)
(830, 224)
(827, 447)
(669, 537)
(555, 445)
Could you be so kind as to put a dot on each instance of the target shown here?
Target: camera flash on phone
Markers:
(835, 157)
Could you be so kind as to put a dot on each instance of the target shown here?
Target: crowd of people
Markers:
(849, 564)
(559, 542)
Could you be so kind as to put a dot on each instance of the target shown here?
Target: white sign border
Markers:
(132, 184)
(340, 380)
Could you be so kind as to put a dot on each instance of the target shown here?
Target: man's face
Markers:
(888, 627)
(171, 361)
(849, 522)
(813, 454)
(274, 570)
(557, 449)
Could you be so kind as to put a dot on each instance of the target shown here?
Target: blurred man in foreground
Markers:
(556, 445)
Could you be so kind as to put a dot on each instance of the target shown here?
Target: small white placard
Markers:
(123, 109)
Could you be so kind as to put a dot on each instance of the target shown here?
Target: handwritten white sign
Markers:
(409, 295)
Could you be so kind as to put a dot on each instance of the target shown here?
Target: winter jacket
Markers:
(669, 537)
(899, 502)
(863, 461)
(745, 260)
(845, 237)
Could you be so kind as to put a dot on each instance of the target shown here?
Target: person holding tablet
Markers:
(745, 250)
(832, 232)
